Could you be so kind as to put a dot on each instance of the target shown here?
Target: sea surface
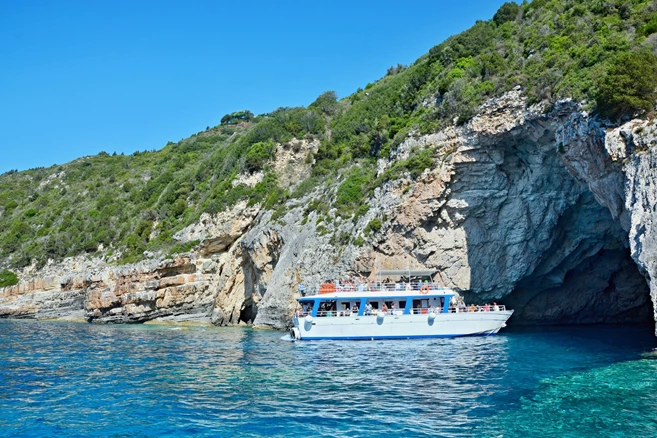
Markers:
(73, 379)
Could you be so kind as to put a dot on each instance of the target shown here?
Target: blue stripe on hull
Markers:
(375, 338)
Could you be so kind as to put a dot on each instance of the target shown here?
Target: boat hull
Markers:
(441, 325)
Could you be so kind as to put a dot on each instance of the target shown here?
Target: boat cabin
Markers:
(411, 292)
(358, 305)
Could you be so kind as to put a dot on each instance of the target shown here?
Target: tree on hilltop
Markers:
(630, 86)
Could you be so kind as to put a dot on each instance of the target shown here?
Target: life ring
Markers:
(424, 290)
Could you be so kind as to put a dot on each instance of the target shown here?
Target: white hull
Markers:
(402, 326)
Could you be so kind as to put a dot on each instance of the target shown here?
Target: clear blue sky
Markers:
(80, 77)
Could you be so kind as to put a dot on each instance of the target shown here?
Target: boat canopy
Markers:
(406, 273)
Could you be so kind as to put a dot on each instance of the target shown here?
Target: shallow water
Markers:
(66, 379)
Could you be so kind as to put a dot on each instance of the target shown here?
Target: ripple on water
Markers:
(79, 380)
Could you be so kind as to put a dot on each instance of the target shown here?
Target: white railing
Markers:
(375, 287)
(473, 308)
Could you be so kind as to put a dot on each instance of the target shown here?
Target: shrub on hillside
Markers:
(507, 12)
(237, 117)
(373, 226)
(353, 188)
(629, 87)
(326, 103)
(7, 278)
(257, 156)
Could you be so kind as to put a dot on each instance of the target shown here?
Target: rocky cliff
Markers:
(543, 208)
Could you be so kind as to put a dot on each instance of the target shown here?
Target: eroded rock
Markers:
(552, 212)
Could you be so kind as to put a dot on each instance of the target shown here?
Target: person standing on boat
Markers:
(368, 309)
(384, 309)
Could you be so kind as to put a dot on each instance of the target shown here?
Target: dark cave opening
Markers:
(605, 288)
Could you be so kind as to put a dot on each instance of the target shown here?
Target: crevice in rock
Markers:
(177, 270)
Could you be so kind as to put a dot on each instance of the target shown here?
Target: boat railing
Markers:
(473, 308)
(328, 288)
(398, 312)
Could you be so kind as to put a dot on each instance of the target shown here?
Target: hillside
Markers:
(130, 204)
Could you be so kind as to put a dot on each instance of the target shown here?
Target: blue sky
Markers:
(80, 77)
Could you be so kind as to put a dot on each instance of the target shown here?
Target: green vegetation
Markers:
(415, 164)
(354, 188)
(7, 278)
(136, 203)
(597, 51)
(237, 117)
(507, 12)
(630, 85)
(373, 226)
(551, 48)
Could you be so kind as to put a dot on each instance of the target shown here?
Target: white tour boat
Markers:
(398, 310)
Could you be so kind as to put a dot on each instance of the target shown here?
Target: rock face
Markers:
(627, 157)
(546, 210)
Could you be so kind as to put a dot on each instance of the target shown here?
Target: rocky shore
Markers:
(542, 207)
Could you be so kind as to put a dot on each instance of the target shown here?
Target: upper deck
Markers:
(379, 291)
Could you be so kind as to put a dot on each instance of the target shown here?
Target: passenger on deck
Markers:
(496, 308)
(472, 308)
(384, 309)
(392, 309)
(354, 309)
(368, 309)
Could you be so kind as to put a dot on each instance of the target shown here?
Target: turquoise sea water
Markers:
(66, 379)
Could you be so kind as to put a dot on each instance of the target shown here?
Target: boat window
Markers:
(375, 304)
(326, 306)
(346, 305)
(402, 304)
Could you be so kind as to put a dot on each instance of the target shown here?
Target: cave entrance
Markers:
(605, 288)
(248, 312)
